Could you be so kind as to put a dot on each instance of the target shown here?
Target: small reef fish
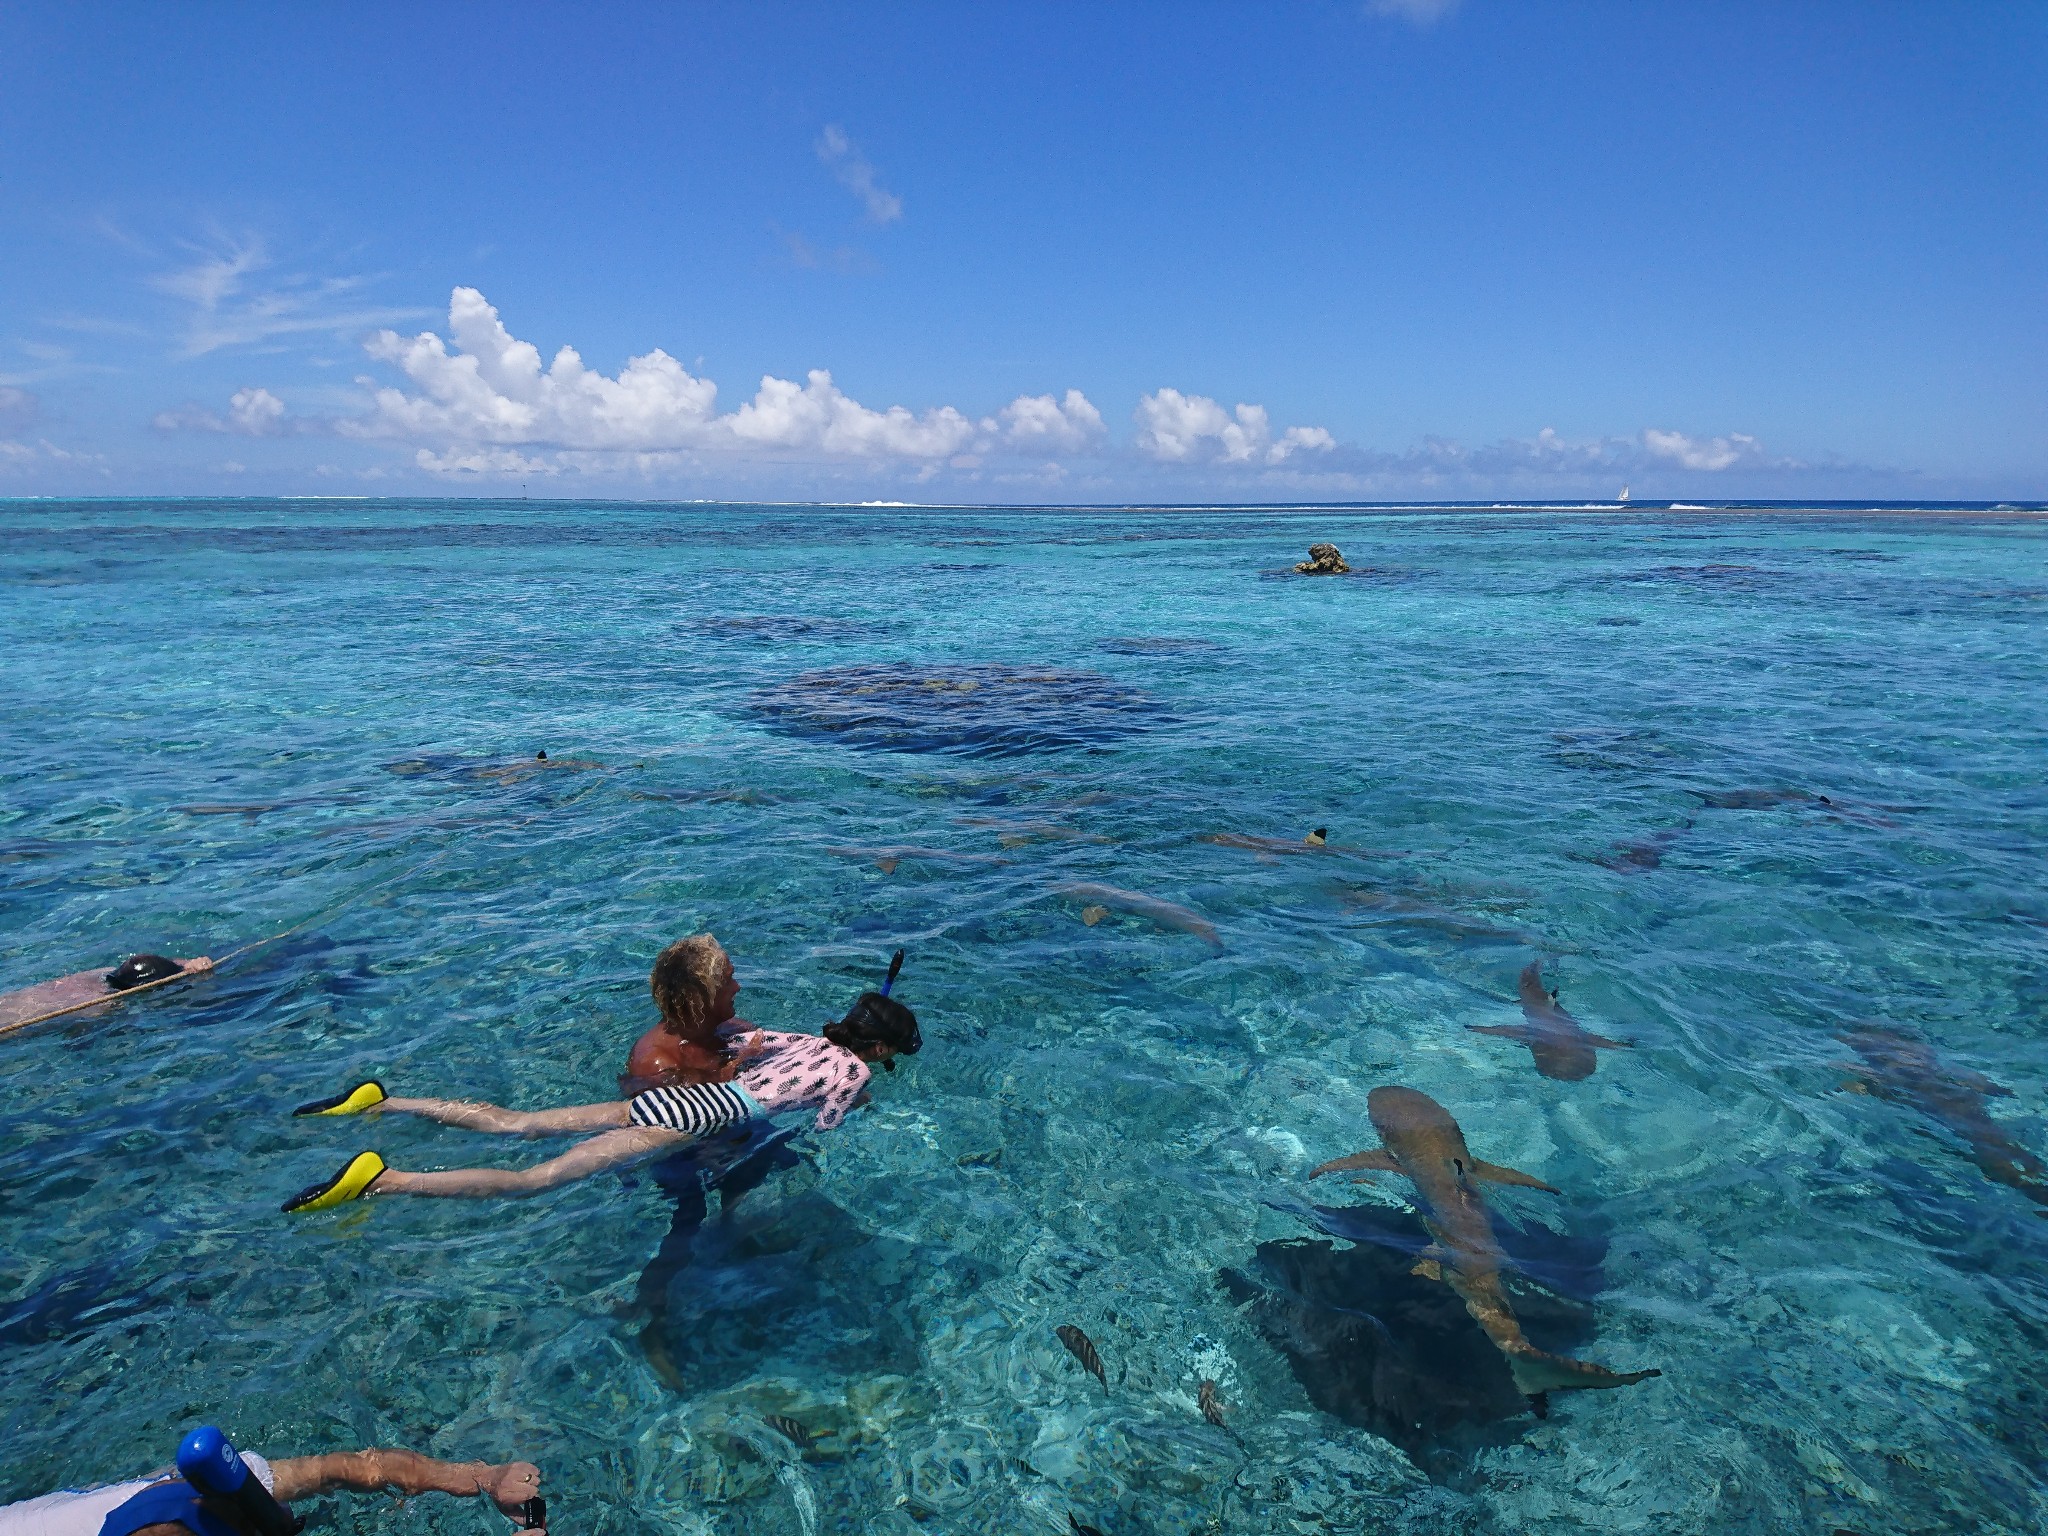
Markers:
(886, 859)
(1104, 899)
(1082, 1348)
(1902, 1070)
(790, 1430)
(1211, 1406)
(1563, 1048)
(1420, 1140)
(989, 1159)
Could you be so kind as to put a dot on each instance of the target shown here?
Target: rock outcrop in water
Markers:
(1323, 560)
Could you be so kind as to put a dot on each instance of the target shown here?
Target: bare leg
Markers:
(611, 1149)
(573, 1121)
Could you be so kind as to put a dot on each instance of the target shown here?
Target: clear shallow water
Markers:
(1850, 1317)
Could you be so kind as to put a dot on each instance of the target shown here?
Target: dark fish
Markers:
(1078, 1528)
(990, 1159)
(1212, 1408)
(790, 1430)
(1082, 1348)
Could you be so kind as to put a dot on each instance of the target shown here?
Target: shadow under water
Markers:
(984, 710)
(791, 1285)
(1380, 1347)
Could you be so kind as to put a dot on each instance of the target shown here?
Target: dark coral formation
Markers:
(978, 711)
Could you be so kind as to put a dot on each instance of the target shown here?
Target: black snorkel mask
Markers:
(140, 970)
(881, 1019)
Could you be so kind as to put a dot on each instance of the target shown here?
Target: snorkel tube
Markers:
(209, 1463)
(895, 970)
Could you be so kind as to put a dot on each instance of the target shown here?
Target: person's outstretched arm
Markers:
(508, 1485)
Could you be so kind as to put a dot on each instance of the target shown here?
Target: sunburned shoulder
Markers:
(46, 996)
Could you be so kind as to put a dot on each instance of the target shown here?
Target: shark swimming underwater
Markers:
(1903, 1070)
(1104, 899)
(1420, 1140)
(1563, 1048)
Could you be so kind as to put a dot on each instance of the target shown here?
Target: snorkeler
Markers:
(81, 989)
(168, 1505)
(777, 1072)
(695, 989)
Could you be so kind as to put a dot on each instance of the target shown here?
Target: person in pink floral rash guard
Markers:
(778, 1074)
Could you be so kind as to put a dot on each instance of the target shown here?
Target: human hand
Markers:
(198, 963)
(510, 1485)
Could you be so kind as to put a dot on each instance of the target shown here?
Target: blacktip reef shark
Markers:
(886, 859)
(1420, 1140)
(1317, 841)
(1563, 1048)
(1103, 899)
(1902, 1070)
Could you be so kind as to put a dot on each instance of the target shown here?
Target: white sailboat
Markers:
(1623, 497)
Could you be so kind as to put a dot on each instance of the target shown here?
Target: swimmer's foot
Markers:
(357, 1099)
(353, 1182)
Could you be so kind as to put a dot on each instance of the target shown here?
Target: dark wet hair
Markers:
(137, 969)
(877, 1020)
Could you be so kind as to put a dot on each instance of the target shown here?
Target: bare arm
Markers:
(508, 1485)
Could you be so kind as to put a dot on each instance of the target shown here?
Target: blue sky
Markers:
(1030, 252)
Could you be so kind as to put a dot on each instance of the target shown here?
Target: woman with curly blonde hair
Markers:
(695, 989)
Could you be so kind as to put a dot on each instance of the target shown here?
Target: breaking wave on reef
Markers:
(976, 710)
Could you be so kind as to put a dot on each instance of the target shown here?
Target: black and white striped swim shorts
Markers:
(697, 1108)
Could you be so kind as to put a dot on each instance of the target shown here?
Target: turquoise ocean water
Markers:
(1592, 738)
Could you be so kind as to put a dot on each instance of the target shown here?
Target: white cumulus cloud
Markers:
(818, 415)
(1709, 453)
(1176, 429)
(252, 412)
(482, 387)
(842, 157)
(1041, 424)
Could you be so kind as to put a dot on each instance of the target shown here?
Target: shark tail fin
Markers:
(1536, 1373)
(1606, 1044)
(1494, 1173)
(1378, 1159)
